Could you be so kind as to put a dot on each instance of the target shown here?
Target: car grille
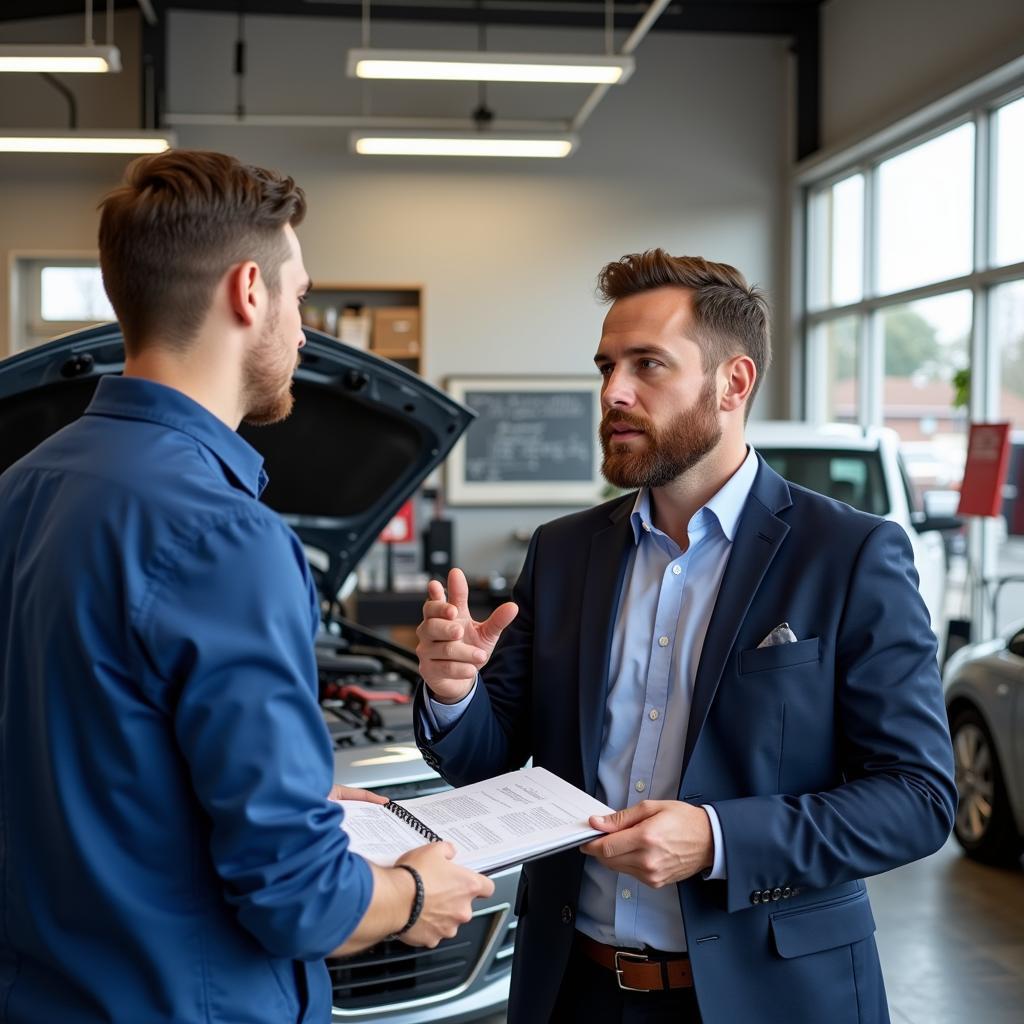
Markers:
(505, 949)
(392, 972)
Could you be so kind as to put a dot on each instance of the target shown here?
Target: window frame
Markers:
(975, 103)
(25, 326)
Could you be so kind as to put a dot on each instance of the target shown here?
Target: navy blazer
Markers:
(827, 760)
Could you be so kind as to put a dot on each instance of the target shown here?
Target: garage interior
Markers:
(862, 160)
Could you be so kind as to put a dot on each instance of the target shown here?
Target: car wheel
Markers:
(984, 821)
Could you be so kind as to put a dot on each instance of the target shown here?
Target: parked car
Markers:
(863, 468)
(984, 686)
(363, 435)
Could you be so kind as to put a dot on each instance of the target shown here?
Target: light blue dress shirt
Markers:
(667, 600)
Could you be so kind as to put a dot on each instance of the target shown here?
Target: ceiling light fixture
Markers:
(60, 59)
(469, 143)
(85, 142)
(475, 66)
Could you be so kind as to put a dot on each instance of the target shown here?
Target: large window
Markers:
(925, 212)
(1008, 141)
(837, 224)
(72, 294)
(913, 298)
(54, 295)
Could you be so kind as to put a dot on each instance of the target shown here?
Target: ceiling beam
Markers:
(759, 17)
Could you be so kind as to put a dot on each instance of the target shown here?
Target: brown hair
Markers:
(730, 317)
(181, 219)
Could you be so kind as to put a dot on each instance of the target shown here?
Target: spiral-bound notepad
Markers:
(492, 824)
(412, 821)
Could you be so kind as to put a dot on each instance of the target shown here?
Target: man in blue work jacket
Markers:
(167, 849)
(744, 667)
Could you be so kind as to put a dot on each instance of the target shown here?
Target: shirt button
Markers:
(663, 641)
(647, 527)
(640, 786)
(653, 714)
(676, 570)
(627, 894)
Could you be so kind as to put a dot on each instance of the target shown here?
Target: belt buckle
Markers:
(638, 958)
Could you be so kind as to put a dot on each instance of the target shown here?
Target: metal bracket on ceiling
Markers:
(643, 26)
(146, 7)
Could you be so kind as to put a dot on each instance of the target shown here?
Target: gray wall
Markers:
(48, 203)
(110, 101)
(882, 59)
(690, 155)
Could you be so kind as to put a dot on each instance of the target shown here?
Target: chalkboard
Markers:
(534, 441)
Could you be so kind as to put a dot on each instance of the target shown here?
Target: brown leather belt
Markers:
(637, 972)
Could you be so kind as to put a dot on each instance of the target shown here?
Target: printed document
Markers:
(492, 824)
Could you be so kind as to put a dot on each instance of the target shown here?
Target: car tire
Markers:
(984, 824)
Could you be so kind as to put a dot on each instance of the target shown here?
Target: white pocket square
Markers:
(781, 634)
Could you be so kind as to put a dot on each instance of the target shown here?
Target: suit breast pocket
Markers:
(761, 659)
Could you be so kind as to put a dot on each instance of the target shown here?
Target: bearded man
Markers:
(744, 667)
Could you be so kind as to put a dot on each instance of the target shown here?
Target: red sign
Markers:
(400, 529)
(988, 458)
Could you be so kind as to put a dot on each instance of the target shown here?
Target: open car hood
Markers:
(364, 433)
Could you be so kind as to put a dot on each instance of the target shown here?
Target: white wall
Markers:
(882, 59)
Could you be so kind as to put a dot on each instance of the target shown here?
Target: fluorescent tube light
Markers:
(485, 144)
(62, 58)
(481, 66)
(85, 142)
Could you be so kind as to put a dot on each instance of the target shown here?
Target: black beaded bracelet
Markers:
(417, 903)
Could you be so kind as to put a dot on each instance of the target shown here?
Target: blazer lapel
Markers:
(602, 588)
(759, 534)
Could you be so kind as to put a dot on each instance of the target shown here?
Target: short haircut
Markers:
(181, 219)
(730, 316)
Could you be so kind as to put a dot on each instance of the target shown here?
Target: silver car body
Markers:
(990, 677)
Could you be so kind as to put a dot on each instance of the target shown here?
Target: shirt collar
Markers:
(135, 398)
(727, 503)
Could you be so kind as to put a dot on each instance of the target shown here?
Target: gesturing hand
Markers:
(657, 842)
(452, 646)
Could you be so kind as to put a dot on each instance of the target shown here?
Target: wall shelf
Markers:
(385, 318)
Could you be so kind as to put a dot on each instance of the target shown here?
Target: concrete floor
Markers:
(951, 940)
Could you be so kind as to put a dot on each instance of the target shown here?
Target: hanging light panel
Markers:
(481, 66)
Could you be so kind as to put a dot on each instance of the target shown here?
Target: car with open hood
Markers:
(363, 436)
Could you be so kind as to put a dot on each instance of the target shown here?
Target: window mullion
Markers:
(870, 362)
(983, 212)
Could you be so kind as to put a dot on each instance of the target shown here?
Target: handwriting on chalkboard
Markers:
(522, 436)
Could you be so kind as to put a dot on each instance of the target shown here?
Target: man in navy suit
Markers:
(743, 666)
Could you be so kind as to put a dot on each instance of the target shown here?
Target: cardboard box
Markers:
(354, 327)
(396, 331)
